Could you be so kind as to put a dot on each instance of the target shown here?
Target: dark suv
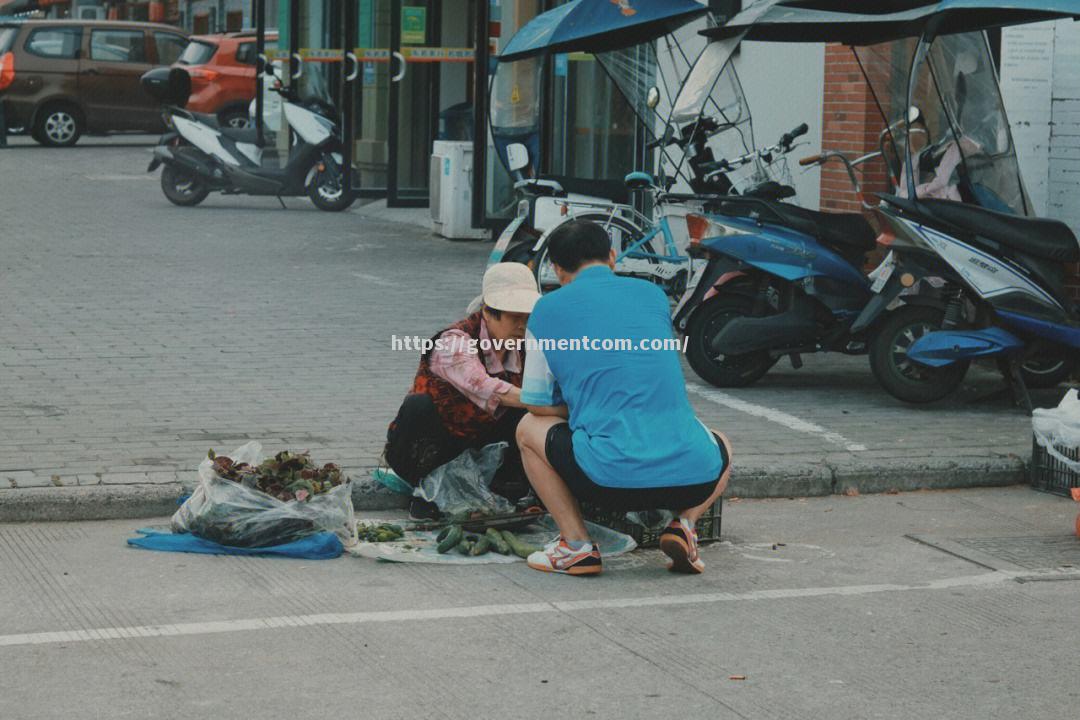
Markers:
(67, 77)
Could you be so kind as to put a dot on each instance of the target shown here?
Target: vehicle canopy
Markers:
(646, 47)
(931, 74)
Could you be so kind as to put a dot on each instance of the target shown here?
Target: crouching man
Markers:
(467, 390)
(607, 425)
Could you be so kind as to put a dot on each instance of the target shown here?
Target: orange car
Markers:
(222, 69)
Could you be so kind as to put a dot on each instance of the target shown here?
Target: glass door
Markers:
(414, 99)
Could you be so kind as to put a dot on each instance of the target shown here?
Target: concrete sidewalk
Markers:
(955, 604)
(139, 334)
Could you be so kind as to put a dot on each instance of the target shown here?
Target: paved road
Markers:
(139, 334)
(823, 605)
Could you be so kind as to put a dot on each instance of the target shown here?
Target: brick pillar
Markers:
(850, 124)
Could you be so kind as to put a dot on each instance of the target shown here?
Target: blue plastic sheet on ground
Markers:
(321, 546)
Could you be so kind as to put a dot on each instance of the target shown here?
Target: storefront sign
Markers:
(413, 25)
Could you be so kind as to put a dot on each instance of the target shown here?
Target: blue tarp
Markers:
(599, 26)
(321, 546)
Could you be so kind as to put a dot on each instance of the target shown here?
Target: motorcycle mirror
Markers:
(517, 157)
(653, 98)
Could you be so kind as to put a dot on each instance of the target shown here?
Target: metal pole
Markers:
(260, 66)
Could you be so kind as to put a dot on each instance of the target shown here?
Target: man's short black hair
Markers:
(577, 242)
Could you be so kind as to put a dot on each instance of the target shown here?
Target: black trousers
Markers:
(418, 442)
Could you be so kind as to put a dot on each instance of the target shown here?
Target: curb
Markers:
(131, 501)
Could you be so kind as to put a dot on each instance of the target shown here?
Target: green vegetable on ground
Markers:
(382, 532)
(451, 540)
(518, 546)
(465, 546)
(498, 543)
(482, 546)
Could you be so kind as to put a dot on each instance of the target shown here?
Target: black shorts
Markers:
(559, 448)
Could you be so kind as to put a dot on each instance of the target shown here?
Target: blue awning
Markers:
(599, 26)
(877, 21)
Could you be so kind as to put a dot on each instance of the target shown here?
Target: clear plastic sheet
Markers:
(232, 514)
(464, 483)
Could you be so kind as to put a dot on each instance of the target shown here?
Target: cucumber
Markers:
(443, 533)
(465, 546)
(519, 547)
(482, 546)
(451, 540)
(498, 544)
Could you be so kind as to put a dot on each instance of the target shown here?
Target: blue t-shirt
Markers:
(633, 426)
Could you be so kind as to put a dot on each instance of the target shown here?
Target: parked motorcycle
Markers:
(199, 156)
(987, 280)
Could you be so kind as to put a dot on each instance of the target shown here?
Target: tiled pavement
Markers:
(139, 334)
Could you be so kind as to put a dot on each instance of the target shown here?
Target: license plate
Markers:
(882, 273)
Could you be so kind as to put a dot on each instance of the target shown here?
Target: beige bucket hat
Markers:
(508, 286)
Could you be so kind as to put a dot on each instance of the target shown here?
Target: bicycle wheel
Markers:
(623, 235)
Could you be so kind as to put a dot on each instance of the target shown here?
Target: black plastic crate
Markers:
(708, 526)
(1048, 474)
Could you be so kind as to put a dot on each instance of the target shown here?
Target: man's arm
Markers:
(549, 410)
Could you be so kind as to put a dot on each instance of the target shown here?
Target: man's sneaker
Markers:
(421, 509)
(679, 542)
(559, 557)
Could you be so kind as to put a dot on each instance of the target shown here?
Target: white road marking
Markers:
(120, 177)
(773, 415)
(475, 611)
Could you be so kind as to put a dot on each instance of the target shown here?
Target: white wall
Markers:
(1040, 84)
(784, 84)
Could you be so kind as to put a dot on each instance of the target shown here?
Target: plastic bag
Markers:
(229, 513)
(1059, 428)
(464, 483)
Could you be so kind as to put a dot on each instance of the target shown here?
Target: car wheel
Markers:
(234, 118)
(58, 125)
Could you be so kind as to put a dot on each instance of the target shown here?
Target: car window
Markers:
(169, 47)
(7, 37)
(118, 46)
(197, 53)
(54, 42)
(246, 53)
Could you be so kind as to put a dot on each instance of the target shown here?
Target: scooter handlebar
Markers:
(789, 137)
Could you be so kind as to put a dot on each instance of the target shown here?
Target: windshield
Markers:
(198, 52)
(942, 104)
(958, 86)
(515, 108)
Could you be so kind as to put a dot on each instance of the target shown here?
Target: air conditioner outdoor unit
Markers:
(451, 190)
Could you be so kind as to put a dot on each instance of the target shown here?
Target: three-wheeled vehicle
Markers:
(970, 273)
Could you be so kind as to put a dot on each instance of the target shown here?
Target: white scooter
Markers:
(199, 156)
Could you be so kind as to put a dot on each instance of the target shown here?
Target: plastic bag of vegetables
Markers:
(248, 500)
(464, 483)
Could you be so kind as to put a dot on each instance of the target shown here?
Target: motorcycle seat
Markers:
(241, 135)
(1038, 237)
(850, 234)
(613, 190)
(205, 118)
